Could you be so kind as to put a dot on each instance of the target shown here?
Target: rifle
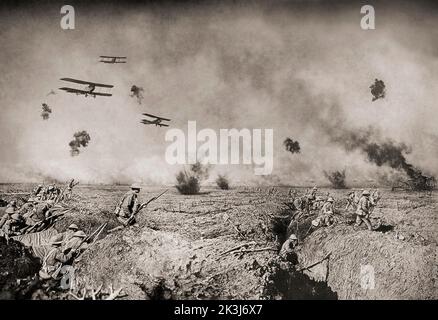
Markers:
(144, 205)
(31, 228)
(94, 235)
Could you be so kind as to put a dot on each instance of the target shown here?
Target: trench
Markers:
(285, 280)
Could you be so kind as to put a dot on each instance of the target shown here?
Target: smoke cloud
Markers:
(302, 69)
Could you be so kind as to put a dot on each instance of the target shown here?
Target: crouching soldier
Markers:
(128, 206)
(76, 243)
(54, 259)
(68, 234)
(8, 213)
(13, 225)
(287, 249)
(363, 210)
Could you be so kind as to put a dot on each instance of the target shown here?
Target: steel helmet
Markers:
(9, 210)
(365, 193)
(293, 237)
(56, 239)
(79, 234)
(73, 227)
(16, 217)
(330, 199)
(135, 186)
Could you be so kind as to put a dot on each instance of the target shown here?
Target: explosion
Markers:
(46, 111)
(190, 182)
(386, 153)
(81, 139)
(292, 146)
(222, 182)
(337, 179)
(137, 92)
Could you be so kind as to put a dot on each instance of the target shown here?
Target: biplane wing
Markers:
(87, 82)
(112, 57)
(162, 125)
(144, 121)
(151, 115)
(71, 90)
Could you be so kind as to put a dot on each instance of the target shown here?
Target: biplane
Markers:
(111, 59)
(88, 90)
(157, 120)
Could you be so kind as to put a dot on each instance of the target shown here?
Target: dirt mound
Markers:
(371, 265)
(18, 269)
(152, 264)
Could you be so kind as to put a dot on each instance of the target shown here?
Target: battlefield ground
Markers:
(223, 244)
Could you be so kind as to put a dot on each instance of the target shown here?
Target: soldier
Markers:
(37, 190)
(350, 200)
(27, 208)
(287, 249)
(327, 212)
(76, 242)
(70, 187)
(128, 206)
(39, 214)
(8, 213)
(363, 210)
(67, 235)
(311, 198)
(54, 259)
(13, 225)
(12, 204)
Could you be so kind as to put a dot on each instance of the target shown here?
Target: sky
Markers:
(297, 67)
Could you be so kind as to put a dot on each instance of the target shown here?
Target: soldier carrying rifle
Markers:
(129, 206)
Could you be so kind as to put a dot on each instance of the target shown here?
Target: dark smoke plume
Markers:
(378, 89)
(190, 182)
(137, 92)
(337, 179)
(222, 182)
(292, 146)
(46, 111)
(81, 139)
(386, 153)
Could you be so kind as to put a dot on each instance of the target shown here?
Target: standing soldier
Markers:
(363, 210)
(350, 200)
(327, 212)
(128, 206)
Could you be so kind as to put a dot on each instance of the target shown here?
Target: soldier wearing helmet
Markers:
(68, 234)
(54, 259)
(76, 242)
(8, 213)
(287, 249)
(327, 212)
(363, 210)
(13, 225)
(128, 205)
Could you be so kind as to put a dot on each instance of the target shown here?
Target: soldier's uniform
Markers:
(13, 225)
(129, 205)
(8, 213)
(363, 210)
(327, 212)
(67, 235)
(350, 200)
(54, 259)
(287, 249)
(75, 242)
